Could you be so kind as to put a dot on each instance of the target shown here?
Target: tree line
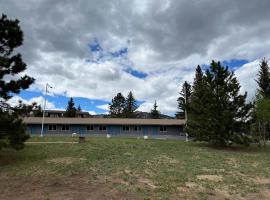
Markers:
(216, 111)
(120, 107)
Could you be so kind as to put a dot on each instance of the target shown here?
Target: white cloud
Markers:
(246, 75)
(91, 112)
(165, 39)
(103, 107)
(39, 100)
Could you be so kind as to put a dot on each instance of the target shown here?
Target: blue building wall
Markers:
(34, 129)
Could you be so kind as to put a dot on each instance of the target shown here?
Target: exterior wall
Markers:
(111, 129)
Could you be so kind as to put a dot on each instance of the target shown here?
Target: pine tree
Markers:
(261, 104)
(130, 106)
(116, 108)
(11, 37)
(264, 80)
(12, 132)
(183, 100)
(155, 114)
(71, 110)
(198, 107)
(222, 112)
(25, 110)
(79, 109)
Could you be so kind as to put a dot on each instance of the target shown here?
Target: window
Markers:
(65, 127)
(102, 128)
(125, 128)
(90, 127)
(163, 128)
(52, 127)
(137, 128)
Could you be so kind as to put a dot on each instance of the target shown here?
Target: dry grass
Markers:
(133, 169)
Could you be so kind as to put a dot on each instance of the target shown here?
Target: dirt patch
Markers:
(189, 191)
(260, 180)
(223, 194)
(211, 170)
(254, 164)
(233, 162)
(147, 182)
(213, 178)
(112, 180)
(71, 187)
(162, 159)
(65, 160)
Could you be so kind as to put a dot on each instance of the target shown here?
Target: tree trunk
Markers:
(264, 134)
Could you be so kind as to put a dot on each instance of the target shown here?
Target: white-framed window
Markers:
(163, 128)
(52, 127)
(126, 128)
(137, 128)
(65, 127)
(90, 127)
(102, 128)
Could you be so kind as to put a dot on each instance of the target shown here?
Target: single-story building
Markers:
(113, 126)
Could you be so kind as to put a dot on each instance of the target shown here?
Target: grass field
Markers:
(118, 168)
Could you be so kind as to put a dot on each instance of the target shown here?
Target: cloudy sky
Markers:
(92, 49)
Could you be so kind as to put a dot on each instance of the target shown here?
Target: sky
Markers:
(93, 49)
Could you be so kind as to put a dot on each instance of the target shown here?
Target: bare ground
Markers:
(71, 187)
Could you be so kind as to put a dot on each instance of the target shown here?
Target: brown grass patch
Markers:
(70, 187)
(213, 178)
(65, 160)
(233, 162)
(147, 182)
(260, 180)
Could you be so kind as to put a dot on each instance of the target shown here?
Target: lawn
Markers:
(119, 168)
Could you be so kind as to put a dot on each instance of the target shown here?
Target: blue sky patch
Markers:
(136, 73)
(233, 64)
(120, 53)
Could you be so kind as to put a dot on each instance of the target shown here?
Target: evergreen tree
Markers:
(12, 132)
(11, 64)
(79, 109)
(183, 100)
(260, 121)
(262, 112)
(71, 110)
(222, 112)
(198, 107)
(130, 106)
(264, 80)
(25, 110)
(116, 108)
(155, 114)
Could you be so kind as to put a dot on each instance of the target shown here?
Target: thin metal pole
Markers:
(44, 106)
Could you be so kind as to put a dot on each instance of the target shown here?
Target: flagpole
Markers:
(44, 106)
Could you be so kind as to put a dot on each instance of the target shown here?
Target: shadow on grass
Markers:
(253, 148)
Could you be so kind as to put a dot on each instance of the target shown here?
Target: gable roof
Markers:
(109, 121)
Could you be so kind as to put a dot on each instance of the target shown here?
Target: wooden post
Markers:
(81, 139)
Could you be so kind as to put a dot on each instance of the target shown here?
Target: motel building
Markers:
(86, 126)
